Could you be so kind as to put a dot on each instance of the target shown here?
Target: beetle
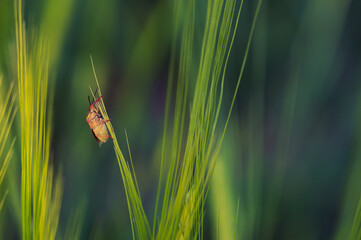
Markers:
(97, 123)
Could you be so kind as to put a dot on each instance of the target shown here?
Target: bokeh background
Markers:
(290, 160)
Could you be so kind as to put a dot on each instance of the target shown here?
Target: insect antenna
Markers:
(95, 93)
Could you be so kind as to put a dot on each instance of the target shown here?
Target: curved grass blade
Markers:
(138, 219)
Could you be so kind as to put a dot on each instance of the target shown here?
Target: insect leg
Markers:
(97, 100)
(106, 121)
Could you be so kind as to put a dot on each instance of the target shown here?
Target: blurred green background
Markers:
(291, 157)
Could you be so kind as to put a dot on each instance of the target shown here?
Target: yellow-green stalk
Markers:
(187, 218)
(40, 194)
(138, 219)
(7, 114)
(191, 164)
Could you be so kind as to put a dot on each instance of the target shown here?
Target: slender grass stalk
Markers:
(74, 226)
(138, 219)
(356, 226)
(201, 149)
(7, 114)
(236, 221)
(40, 194)
(171, 77)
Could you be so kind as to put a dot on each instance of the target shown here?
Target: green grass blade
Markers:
(41, 192)
(192, 173)
(140, 227)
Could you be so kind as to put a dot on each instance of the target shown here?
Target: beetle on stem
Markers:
(97, 123)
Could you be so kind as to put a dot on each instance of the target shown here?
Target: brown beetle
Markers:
(97, 123)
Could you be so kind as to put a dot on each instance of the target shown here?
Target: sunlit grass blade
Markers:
(191, 165)
(7, 114)
(3, 199)
(41, 192)
(6, 162)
